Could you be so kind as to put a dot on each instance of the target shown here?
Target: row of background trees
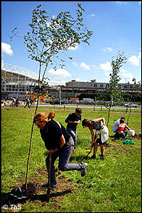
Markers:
(126, 97)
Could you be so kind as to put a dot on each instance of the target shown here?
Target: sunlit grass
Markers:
(112, 185)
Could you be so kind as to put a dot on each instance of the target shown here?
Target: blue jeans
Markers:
(64, 155)
(73, 134)
(122, 135)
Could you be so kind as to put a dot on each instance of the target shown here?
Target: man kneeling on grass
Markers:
(101, 134)
(59, 142)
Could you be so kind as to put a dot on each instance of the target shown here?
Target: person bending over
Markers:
(59, 142)
(97, 125)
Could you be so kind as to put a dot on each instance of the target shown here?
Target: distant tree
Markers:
(113, 91)
(135, 95)
(136, 84)
(49, 36)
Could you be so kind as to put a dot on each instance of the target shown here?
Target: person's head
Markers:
(78, 111)
(41, 118)
(86, 123)
(122, 120)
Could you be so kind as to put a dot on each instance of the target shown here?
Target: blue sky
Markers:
(116, 26)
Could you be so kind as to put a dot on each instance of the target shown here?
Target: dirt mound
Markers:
(31, 189)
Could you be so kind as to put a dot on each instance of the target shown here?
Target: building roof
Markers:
(19, 70)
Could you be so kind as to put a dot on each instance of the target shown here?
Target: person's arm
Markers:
(73, 122)
(62, 140)
(126, 127)
(99, 119)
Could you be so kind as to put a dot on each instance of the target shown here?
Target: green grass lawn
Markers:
(112, 185)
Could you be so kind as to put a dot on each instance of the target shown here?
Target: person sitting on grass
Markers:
(59, 142)
(102, 138)
(116, 124)
(121, 130)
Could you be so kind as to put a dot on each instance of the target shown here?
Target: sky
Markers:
(116, 27)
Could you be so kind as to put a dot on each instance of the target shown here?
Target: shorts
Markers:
(99, 141)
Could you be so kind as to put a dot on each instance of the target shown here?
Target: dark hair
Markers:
(122, 118)
(78, 110)
(84, 122)
(122, 121)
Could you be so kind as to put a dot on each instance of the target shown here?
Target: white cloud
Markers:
(107, 73)
(6, 48)
(73, 48)
(106, 66)
(121, 2)
(107, 49)
(126, 76)
(75, 64)
(84, 66)
(2, 64)
(135, 60)
(95, 67)
(101, 81)
(59, 73)
(92, 14)
(56, 83)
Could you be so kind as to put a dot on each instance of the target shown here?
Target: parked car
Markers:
(56, 102)
(133, 105)
(125, 104)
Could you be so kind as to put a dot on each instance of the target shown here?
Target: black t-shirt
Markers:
(72, 117)
(51, 134)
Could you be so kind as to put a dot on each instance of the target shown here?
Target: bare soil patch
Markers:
(38, 196)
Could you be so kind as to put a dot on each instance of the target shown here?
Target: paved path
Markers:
(91, 108)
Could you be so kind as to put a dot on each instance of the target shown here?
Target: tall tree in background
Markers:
(113, 91)
(47, 37)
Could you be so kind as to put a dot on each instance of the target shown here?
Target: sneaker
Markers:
(101, 157)
(45, 186)
(84, 169)
(93, 157)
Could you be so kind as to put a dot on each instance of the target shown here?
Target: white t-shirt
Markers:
(115, 125)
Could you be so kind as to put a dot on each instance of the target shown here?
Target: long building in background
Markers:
(17, 81)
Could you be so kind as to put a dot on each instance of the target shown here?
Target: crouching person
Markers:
(59, 142)
(101, 135)
(122, 130)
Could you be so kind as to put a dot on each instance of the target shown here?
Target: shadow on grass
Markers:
(6, 199)
(43, 197)
(82, 158)
(79, 158)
